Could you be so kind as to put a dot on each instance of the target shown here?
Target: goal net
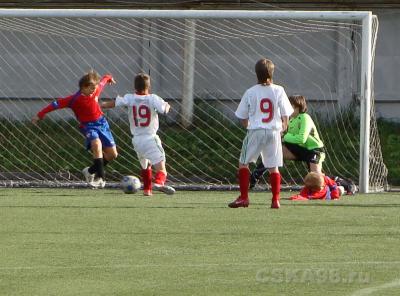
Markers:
(201, 62)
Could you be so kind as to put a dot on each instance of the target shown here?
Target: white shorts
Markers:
(265, 142)
(148, 148)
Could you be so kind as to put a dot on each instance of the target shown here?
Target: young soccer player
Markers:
(319, 186)
(264, 110)
(301, 142)
(143, 108)
(93, 124)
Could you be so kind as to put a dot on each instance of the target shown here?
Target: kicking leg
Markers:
(160, 178)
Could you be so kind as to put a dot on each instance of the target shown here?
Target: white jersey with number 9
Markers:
(142, 112)
(264, 106)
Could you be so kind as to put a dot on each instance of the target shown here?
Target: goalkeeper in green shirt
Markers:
(301, 142)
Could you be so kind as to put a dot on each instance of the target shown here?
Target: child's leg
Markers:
(161, 173)
(98, 164)
(161, 177)
(275, 181)
(257, 174)
(109, 154)
(146, 174)
(243, 199)
(244, 174)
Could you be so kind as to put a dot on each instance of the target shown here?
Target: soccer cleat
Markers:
(164, 188)
(275, 204)
(98, 183)
(102, 183)
(147, 193)
(239, 203)
(88, 176)
(352, 189)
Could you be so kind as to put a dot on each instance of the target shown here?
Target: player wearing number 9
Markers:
(143, 108)
(301, 142)
(264, 110)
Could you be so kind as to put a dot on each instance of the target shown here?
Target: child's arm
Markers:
(167, 108)
(244, 122)
(58, 104)
(285, 120)
(106, 79)
(335, 194)
(107, 104)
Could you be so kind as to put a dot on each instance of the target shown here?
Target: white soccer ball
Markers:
(130, 184)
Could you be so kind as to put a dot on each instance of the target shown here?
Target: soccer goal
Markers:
(201, 62)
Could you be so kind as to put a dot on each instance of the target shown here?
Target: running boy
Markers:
(264, 110)
(93, 124)
(143, 108)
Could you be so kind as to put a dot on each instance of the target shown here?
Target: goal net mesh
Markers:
(43, 58)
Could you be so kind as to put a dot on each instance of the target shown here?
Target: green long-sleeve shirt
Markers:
(302, 131)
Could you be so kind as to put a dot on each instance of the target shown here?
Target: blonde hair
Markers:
(314, 181)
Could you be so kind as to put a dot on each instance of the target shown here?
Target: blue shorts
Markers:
(98, 129)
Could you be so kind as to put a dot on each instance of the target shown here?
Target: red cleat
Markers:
(275, 204)
(239, 203)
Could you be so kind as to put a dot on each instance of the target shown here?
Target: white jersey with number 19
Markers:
(142, 112)
(264, 106)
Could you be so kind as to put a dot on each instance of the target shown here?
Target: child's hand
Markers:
(35, 119)
(111, 81)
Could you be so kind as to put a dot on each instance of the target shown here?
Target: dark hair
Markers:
(91, 76)
(264, 70)
(299, 102)
(142, 82)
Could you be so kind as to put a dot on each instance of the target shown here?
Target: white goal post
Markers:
(322, 20)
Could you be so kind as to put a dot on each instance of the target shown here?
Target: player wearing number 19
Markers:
(264, 110)
(143, 108)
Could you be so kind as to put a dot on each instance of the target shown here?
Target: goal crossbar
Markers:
(198, 14)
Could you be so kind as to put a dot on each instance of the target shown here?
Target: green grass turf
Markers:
(103, 242)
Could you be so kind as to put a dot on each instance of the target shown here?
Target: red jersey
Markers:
(329, 191)
(86, 108)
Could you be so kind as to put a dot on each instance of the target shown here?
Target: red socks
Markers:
(146, 178)
(244, 175)
(275, 181)
(160, 178)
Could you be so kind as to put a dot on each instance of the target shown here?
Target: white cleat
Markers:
(88, 176)
(164, 188)
(98, 183)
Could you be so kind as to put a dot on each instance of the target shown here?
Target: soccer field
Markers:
(103, 242)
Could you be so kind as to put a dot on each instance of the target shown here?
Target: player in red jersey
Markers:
(93, 124)
(319, 186)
